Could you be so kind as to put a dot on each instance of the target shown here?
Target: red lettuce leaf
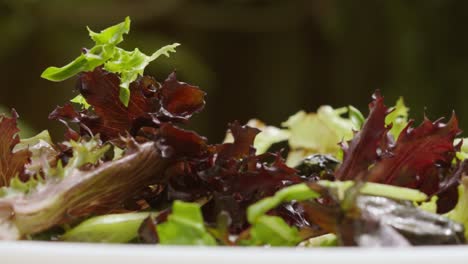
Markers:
(151, 104)
(230, 174)
(66, 114)
(242, 146)
(363, 149)
(179, 100)
(176, 142)
(12, 164)
(418, 156)
(421, 158)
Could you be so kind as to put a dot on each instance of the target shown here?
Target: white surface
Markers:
(70, 253)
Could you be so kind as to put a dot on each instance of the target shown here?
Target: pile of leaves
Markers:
(127, 172)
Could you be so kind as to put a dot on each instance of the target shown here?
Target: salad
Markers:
(127, 172)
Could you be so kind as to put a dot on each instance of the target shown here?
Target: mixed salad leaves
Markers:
(127, 172)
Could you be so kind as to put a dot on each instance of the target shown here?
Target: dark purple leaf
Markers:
(150, 104)
(363, 150)
(418, 156)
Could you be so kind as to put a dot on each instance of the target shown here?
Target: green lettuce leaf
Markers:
(112, 228)
(269, 230)
(398, 118)
(112, 35)
(273, 231)
(129, 64)
(463, 153)
(320, 132)
(429, 206)
(79, 99)
(104, 49)
(377, 189)
(18, 186)
(268, 136)
(41, 139)
(327, 240)
(184, 226)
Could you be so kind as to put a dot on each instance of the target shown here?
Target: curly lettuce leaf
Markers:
(112, 35)
(85, 152)
(128, 64)
(320, 132)
(185, 226)
(173, 101)
(79, 99)
(421, 158)
(415, 161)
(360, 152)
(131, 64)
(12, 163)
(41, 150)
(104, 49)
(40, 140)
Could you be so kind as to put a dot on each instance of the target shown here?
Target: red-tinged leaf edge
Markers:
(12, 164)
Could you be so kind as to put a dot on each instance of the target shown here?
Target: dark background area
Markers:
(255, 58)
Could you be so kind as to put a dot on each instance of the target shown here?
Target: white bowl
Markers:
(69, 253)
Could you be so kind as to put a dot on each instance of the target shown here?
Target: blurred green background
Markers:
(255, 58)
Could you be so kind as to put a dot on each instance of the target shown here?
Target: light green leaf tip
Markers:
(112, 35)
(185, 226)
(131, 64)
(398, 118)
(164, 51)
(357, 118)
(42, 137)
(79, 99)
